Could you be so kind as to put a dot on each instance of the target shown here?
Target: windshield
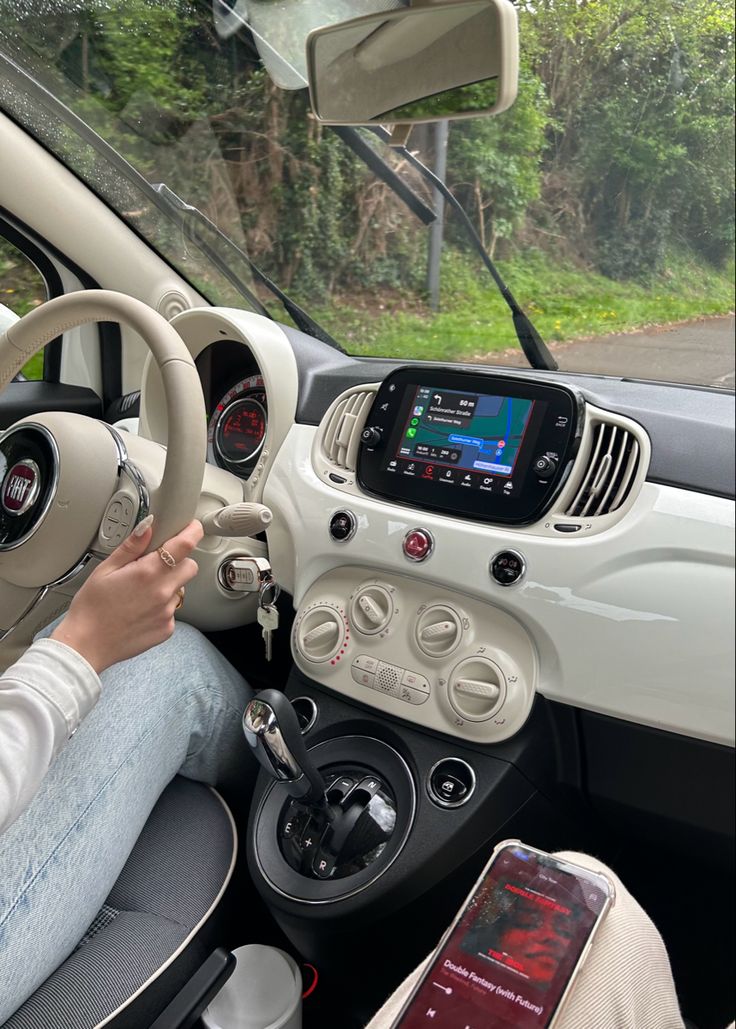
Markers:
(605, 194)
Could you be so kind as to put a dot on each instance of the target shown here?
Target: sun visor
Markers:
(280, 28)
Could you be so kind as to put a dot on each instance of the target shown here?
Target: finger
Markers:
(133, 547)
(184, 572)
(181, 545)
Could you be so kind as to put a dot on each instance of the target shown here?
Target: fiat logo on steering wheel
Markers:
(21, 487)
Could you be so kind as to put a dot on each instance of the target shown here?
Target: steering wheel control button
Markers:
(544, 467)
(118, 519)
(343, 526)
(418, 544)
(371, 436)
(451, 782)
(507, 567)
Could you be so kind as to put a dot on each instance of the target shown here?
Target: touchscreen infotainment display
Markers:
(458, 437)
(484, 446)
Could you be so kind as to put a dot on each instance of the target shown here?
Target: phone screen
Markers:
(510, 956)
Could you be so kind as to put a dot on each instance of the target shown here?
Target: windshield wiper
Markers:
(534, 347)
(194, 216)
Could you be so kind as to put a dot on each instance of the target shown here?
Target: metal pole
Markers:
(436, 229)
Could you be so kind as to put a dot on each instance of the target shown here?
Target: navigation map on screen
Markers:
(469, 431)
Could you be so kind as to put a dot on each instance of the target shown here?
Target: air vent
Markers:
(342, 428)
(609, 475)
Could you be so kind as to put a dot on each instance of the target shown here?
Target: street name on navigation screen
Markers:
(470, 432)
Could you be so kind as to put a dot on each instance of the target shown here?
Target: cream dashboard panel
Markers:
(635, 622)
(208, 605)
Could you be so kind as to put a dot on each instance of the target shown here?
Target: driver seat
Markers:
(159, 923)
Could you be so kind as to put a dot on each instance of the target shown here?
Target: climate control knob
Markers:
(439, 630)
(320, 633)
(476, 689)
(372, 608)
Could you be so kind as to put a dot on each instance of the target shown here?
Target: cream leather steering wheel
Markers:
(68, 491)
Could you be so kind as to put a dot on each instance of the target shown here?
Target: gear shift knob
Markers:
(272, 730)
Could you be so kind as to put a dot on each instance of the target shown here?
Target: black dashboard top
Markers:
(691, 428)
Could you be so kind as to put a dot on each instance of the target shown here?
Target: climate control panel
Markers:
(434, 657)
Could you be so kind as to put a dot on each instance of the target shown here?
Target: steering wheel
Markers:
(68, 491)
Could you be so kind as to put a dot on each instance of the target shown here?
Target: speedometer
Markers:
(237, 426)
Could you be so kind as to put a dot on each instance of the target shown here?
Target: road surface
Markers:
(701, 352)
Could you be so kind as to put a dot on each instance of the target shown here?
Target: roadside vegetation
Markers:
(606, 194)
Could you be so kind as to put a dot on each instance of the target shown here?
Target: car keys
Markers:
(268, 615)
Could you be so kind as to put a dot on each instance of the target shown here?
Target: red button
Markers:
(418, 544)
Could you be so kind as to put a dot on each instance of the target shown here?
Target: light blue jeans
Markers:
(177, 708)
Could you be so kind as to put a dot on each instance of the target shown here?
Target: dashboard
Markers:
(458, 542)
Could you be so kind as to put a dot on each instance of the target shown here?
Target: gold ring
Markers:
(180, 601)
(167, 558)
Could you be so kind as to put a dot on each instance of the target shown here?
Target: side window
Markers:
(22, 288)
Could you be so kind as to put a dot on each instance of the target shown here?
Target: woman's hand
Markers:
(127, 605)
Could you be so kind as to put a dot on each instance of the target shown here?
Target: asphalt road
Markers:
(701, 352)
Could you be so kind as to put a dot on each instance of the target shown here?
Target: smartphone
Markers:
(511, 956)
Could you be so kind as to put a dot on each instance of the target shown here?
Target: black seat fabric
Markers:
(179, 866)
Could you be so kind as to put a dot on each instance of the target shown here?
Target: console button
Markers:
(418, 544)
(416, 696)
(368, 664)
(451, 782)
(363, 678)
(343, 525)
(415, 680)
(448, 787)
(371, 436)
(507, 567)
(567, 527)
(544, 467)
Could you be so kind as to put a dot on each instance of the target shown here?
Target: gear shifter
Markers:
(272, 730)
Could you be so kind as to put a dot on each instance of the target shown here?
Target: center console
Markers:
(461, 443)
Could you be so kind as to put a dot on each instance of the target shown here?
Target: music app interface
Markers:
(509, 958)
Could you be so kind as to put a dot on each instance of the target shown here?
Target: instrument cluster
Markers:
(237, 427)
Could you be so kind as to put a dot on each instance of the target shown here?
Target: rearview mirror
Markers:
(452, 59)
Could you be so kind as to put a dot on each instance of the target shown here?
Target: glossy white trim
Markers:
(635, 622)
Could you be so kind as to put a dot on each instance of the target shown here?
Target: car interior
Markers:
(537, 644)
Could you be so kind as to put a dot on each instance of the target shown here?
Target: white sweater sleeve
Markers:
(43, 698)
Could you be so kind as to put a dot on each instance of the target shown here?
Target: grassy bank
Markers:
(564, 303)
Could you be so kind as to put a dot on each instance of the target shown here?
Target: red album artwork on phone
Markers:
(510, 956)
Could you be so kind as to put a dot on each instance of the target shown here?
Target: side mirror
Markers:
(451, 59)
